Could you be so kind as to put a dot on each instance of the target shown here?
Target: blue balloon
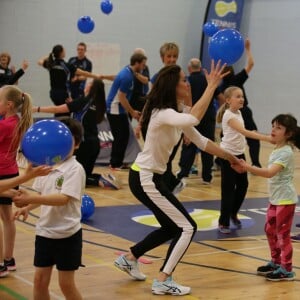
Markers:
(106, 7)
(47, 142)
(226, 45)
(210, 28)
(87, 207)
(85, 24)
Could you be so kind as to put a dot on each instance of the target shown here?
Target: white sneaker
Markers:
(169, 287)
(129, 266)
(109, 181)
(179, 187)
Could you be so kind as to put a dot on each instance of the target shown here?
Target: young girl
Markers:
(283, 197)
(233, 184)
(90, 109)
(12, 128)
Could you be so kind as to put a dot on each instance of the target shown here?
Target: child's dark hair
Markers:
(75, 128)
(290, 123)
(97, 92)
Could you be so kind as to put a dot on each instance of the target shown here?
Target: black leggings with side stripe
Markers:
(176, 223)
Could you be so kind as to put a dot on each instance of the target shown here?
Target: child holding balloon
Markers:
(12, 128)
(58, 230)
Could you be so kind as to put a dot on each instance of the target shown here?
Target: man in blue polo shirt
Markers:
(118, 108)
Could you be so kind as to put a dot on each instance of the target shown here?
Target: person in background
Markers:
(118, 108)
(60, 74)
(77, 83)
(16, 118)
(89, 110)
(8, 75)
(206, 127)
(140, 85)
(58, 238)
(283, 197)
(169, 53)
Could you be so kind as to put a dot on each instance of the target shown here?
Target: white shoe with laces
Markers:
(131, 267)
(169, 287)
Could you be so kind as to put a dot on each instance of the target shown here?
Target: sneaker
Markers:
(194, 170)
(224, 229)
(280, 274)
(215, 167)
(169, 287)
(10, 264)
(122, 167)
(267, 269)
(295, 238)
(179, 187)
(3, 271)
(109, 181)
(129, 266)
(204, 182)
(236, 221)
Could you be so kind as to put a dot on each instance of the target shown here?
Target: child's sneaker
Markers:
(3, 271)
(236, 221)
(109, 181)
(129, 266)
(194, 170)
(169, 287)
(280, 274)
(295, 238)
(224, 229)
(179, 187)
(267, 269)
(10, 264)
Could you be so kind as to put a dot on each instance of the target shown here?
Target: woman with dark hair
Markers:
(89, 110)
(165, 123)
(60, 74)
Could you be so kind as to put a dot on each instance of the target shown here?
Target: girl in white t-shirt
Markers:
(233, 184)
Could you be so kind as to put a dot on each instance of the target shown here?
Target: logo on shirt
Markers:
(59, 182)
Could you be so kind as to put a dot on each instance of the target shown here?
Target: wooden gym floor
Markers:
(215, 269)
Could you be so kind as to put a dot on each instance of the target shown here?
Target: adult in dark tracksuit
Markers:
(165, 123)
(60, 74)
(206, 126)
(238, 80)
(77, 83)
(89, 110)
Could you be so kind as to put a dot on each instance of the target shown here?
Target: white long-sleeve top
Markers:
(164, 131)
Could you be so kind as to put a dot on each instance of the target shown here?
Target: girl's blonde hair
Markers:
(23, 104)
(227, 94)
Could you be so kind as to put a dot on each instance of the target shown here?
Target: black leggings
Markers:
(176, 224)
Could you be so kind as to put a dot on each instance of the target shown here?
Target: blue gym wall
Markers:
(29, 29)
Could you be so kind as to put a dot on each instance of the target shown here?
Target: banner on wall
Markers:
(225, 14)
(106, 138)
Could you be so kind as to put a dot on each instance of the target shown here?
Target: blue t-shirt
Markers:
(123, 82)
